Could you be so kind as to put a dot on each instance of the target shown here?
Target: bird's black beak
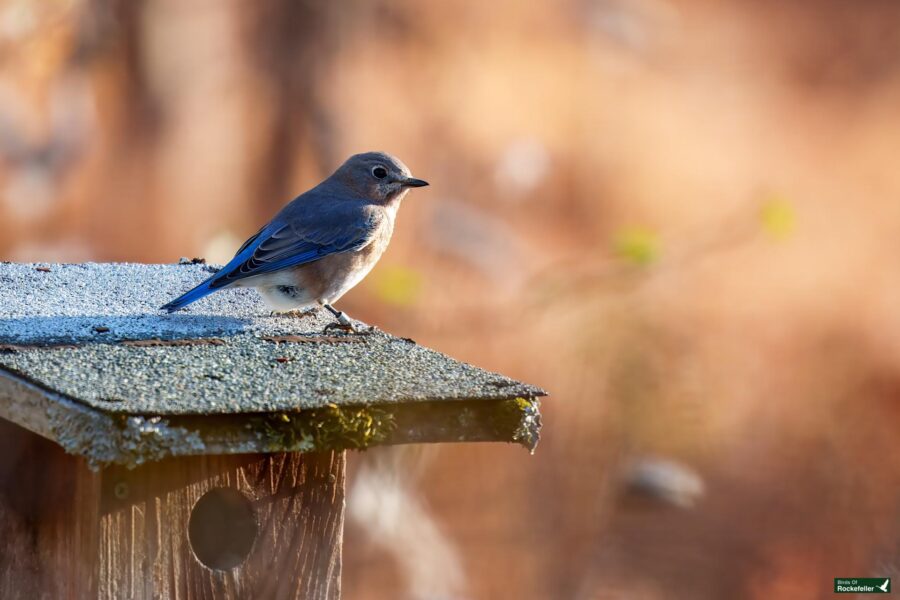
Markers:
(413, 182)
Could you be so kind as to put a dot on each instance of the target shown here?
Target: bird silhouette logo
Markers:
(886, 586)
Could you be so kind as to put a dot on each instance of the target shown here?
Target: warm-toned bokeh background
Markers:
(682, 218)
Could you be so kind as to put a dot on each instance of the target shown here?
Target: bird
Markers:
(320, 244)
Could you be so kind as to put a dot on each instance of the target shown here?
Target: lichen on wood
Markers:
(528, 430)
(329, 427)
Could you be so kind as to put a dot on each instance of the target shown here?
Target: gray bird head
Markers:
(377, 176)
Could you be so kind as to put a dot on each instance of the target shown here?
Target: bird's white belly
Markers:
(285, 297)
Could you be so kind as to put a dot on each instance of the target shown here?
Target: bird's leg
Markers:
(343, 322)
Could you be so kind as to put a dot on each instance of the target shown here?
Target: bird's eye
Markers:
(379, 172)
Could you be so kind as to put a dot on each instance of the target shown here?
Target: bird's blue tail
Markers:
(204, 289)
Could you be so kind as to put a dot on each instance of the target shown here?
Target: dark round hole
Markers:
(222, 528)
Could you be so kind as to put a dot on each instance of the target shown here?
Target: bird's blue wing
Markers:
(311, 227)
(286, 243)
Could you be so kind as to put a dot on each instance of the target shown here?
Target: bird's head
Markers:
(377, 176)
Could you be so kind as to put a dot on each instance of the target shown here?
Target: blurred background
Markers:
(680, 217)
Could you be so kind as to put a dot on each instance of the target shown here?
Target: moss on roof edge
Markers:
(131, 440)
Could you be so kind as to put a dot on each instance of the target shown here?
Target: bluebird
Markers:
(322, 243)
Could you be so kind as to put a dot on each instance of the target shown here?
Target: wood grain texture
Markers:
(49, 509)
(68, 532)
(298, 500)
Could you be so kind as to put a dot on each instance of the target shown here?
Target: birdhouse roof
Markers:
(88, 360)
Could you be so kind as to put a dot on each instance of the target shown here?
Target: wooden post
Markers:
(245, 526)
(49, 514)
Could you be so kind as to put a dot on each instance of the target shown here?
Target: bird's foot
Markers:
(351, 328)
(345, 327)
(345, 324)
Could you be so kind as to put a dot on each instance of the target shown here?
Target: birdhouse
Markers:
(201, 454)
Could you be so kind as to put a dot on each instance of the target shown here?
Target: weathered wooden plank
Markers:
(68, 532)
(295, 503)
(49, 504)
